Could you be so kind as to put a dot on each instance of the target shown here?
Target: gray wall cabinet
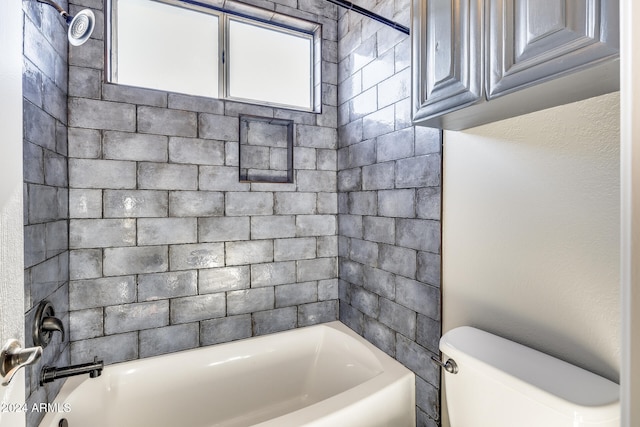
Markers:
(478, 61)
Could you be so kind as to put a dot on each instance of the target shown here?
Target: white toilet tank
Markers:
(500, 383)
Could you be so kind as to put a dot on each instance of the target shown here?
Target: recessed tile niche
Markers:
(266, 149)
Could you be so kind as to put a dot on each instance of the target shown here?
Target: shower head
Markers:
(80, 26)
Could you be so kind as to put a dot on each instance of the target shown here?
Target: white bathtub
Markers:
(324, 375)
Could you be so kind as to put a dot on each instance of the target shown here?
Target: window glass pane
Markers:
(166, 47)
(269, 65)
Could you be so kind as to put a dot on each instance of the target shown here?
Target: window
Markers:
(207, 51)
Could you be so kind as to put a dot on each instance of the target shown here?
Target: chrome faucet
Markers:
(50, 374)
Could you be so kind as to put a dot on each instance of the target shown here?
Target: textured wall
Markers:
(46, 254)
(169, 250)
(539, 260)
(389, 201)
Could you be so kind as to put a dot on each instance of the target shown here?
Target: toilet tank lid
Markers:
(479, 349)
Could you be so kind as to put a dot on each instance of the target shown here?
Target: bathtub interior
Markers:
(236, 384)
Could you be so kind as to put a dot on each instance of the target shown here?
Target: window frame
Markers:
(240, 12)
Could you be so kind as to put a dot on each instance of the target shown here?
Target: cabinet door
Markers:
(531, 41)
(446, 57)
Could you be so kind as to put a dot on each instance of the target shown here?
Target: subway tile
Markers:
(134, 95)
(248, 203)
(195, 103)
(103, 174)
(397, 203)
(196, 256)
(250, 300)
(327, 246)
(134, 146)
(314, 181)
(418, 296)
(421, 171)
(420, 234)
(101, 292)
(317, 312)
(165, 231)
(429, 268)
(380, 335)
(85, 324)
(379, 282)
(212, 126)
(350, 226)
(164, 176)
(85, 203)
(379, 122)
(249, 252)
(225, 329)
(223, 229)
(428, 333)
(135, 260)
(395, 145)
(196, 203)
(418, 359)
(398, 318)
(428, 205)
(379, 229)
(42, 129)
(363, 203)
(273, 227)
(196, 151)
(327, 203)
(96, 114)
(223, 279)
(135, 203)
(428, 400)
(221, 178)
(173, 284)
(55, 169)
(277, 320)
(428, 140)
(296, 293)
(162, 121)
(34, 244)
(317, 269)
(85, 264)
(33, 163)
(135, 317)
(395, 88)
(364, 252)
(315, 225)
(349, 180)
(154, 342)
(273, 273)
(294, 249)
(294, 203)
(316, 137)
(378, 177)
(198, 307)
(111, 349)
(328, 289)
(395, 259)
(84, 143)
(101, 233)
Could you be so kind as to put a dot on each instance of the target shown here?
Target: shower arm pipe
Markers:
(57, 7)
(369, 14)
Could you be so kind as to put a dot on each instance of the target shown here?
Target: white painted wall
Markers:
(531, 247)
(11, 227)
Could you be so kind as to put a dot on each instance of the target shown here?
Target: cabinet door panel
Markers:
(447, 65)
(531, 41)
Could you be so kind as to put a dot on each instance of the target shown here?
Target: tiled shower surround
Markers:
(388, 201)
(169, 250)
(46, 254)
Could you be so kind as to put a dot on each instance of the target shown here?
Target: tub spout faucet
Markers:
(49, 373)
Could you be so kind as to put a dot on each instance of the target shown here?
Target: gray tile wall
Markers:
(168, 249)
(46, 245)
(389, 200)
